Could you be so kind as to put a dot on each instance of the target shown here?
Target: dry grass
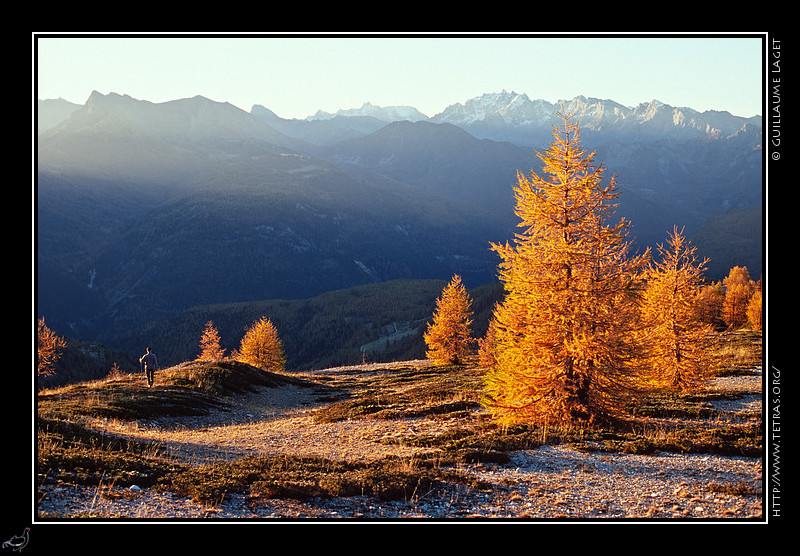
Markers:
(70, 451)
(738, 351)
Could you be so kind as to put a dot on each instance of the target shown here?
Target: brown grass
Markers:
(68, 450)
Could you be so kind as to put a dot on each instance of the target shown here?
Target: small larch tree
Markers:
(564, 346)
(677, 343)
(738, 290)
(48, 349)
(754, 309)
(448, 337)
(210, 349)
(486, 346)
(262, 347)
(708, 304)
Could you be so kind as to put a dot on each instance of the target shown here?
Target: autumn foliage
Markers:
(48, 349)
(674, 338)
(754, 309)
(262, 347)
(448, 337)
(210, 349)
(586, 326)
(738, 291)
(486, 346)
(564, 342)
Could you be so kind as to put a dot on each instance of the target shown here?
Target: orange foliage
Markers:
(261, 347)
(754, 309)
(738, 290)
(448, 336)
(486, 346)
(209, 344)
(48, 349)
(564, 342)
(708, 305)
(675, 339)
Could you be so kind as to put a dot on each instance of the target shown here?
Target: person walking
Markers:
(149, 364)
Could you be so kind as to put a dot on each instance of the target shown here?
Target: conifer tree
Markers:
(676, 339)
(262, 347)
(209, 344)
(754, 308)
(486, 346)
(48, 349)
(709, 304)
(564, 348)
(448, 336)
(738, 289)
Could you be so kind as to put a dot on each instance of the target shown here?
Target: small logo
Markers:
(18, 542)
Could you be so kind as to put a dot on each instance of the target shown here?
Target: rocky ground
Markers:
(552, 482)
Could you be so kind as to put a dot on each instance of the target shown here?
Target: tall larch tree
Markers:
(210, 349)
(677, 341)
(448, 337)
(564, 347)
(262, 347)
(738, 289)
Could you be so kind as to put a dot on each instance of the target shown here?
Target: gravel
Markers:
(551, 482)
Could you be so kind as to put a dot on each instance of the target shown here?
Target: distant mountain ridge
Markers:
(148, 209)
(499, 113)
(510, 116)
(386, 114)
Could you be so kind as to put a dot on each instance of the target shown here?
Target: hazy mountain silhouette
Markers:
(145, 210)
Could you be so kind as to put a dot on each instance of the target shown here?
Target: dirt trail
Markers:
(276, 421)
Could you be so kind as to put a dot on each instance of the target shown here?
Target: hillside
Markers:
(377, 322)
(374, 322)
(732, 239)
(384, 441)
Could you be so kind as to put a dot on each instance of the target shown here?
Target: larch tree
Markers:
(210, 349)
(486, 346)
(709, 304)
(48, 349)
(677, 342)
(564, 347)
(738, 290)
(754, 308)
(448, 336)
(262, 347)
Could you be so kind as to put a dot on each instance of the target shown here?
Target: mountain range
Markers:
(145, 210)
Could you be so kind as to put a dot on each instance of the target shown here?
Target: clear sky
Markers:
(296, 76)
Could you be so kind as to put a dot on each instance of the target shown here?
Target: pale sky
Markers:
(296, 76)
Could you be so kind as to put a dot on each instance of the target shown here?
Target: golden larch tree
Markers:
(48, 349)
(754, 308)
(210, 349)
(486, 346)
(262, 347)
(563, 343)
(677, 342)
(709, 302)
(448, 337)
(738, 290)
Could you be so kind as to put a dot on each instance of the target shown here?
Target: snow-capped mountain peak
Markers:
(383, 113)
(509, 108)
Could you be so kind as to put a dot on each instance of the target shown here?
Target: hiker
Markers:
(149, 364)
